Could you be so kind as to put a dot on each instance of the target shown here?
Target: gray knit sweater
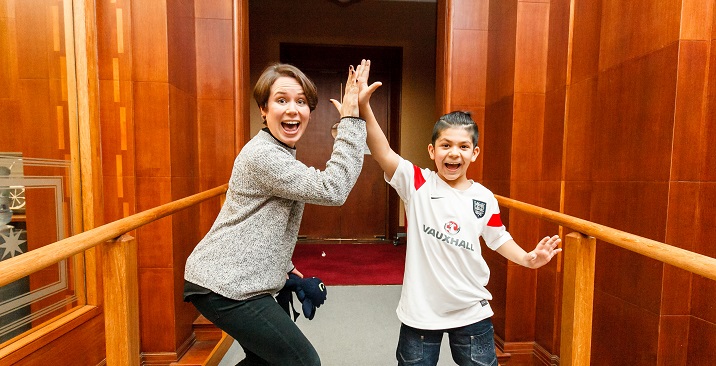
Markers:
(247, 252)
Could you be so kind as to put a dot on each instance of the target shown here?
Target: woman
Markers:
(234, 271)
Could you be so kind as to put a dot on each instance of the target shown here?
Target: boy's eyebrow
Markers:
(451, 141)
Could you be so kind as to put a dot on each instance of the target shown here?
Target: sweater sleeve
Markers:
(284, 176)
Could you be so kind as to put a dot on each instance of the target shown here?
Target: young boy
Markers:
(445, 274)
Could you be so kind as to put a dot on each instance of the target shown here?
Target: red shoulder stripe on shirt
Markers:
(418, 177)
(495, 221)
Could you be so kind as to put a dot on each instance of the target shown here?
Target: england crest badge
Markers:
(478, 207)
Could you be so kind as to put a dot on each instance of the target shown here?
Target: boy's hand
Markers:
(360, 79)
(543, 253)
(365, 90)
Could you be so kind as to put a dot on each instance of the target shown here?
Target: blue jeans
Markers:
(263, 329)
(472, 344)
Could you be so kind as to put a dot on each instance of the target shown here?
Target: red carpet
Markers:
(351, 264)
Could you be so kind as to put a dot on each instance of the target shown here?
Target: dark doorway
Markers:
(371, 210)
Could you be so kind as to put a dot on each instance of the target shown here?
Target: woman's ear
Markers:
(263, 114)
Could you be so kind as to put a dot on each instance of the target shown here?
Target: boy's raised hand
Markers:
(545, 250)
(358, 78)
(365, 90)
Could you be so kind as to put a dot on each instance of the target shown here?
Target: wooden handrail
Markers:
(693, 262)
(23, 265)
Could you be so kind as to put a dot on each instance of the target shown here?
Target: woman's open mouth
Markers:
(290, 126)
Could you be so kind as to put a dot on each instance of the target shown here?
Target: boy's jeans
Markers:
(472, 344)
(263, 329)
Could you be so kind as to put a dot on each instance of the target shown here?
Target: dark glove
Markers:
(311, 292)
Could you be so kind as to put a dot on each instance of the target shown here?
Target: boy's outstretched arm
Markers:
(541, 255)
(377, 142)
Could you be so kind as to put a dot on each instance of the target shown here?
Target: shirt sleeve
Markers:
(284, 176)
(495, 233)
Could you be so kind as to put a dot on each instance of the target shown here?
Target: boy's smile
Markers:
(287, 112)
(453, 152)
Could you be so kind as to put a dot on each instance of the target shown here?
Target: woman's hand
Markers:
(349, 107)
(296, 272)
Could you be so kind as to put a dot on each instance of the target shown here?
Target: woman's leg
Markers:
(262, 328)
(473, 344)
(418, 347)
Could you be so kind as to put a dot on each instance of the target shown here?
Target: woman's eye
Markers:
(281, 100)
(301, 102)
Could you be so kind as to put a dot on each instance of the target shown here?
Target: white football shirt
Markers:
(445, 273)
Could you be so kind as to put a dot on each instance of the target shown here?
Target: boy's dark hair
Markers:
(456, 119)
(262, 90)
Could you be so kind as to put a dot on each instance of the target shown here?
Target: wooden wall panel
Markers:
(682, 230)
(553, 136)
(708, 167)
(149, 41)
(156, 310)
(702, 342)
(183, 135)
(531, 47)
(699, 17)
(527, 135)
(470, 14)
(689, 118)
(638, 92)
(151, 129)
(501, 50)
(673, 345)
(631, 29)
(630, 341)
(152, 192)
(181, 46)
(558, 44)
(469, 62)
(214, 63)
(586, 30)
(497, 142)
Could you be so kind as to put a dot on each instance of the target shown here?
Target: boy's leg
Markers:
(262, 328)
(418, 347)
(473, 344)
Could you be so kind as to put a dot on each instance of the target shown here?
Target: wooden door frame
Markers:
(242, 83)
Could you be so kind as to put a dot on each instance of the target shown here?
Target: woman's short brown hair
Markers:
(262, 90)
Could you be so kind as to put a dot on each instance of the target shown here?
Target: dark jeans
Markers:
(472, 344)
(263, 329)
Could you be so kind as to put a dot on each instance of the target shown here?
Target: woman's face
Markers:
(286, 111)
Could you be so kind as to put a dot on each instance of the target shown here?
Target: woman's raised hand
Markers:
(349, 107)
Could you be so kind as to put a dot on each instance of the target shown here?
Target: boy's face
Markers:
(286, 111)
(453, 152)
